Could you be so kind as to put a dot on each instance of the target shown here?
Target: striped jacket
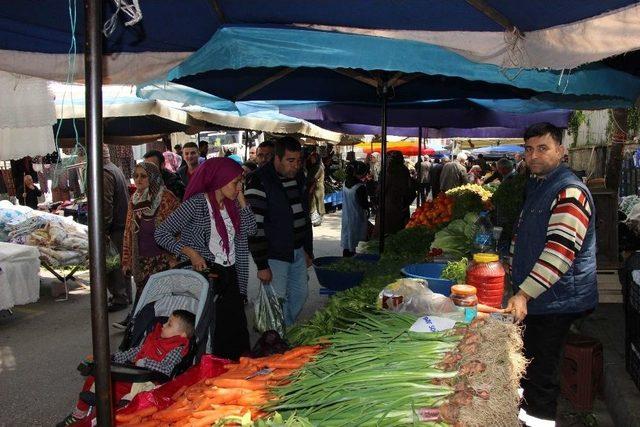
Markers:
(192, 223)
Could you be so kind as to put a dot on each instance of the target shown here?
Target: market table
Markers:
(19, 275)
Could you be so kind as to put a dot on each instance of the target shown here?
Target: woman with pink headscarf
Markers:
(210, 229)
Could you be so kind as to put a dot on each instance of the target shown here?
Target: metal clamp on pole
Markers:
(97, 252)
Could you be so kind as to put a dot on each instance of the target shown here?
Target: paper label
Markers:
(432, 324)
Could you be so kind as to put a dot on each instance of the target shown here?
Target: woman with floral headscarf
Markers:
(149, 206)
(210, 228)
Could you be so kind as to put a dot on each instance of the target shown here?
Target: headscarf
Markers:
(236, 158)
(395, 162)
(210, 176)
(146, 202)
(172, 161)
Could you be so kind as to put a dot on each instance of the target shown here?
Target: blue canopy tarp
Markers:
(345, 118)
(183, 26)
(499, 151)
(264, 63)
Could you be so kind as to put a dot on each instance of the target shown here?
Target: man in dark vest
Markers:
(283, 246)
(553, 266)
(115, 203)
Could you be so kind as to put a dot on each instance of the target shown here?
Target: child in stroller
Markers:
(161, 350)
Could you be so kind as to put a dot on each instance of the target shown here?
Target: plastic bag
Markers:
(113, 257)
(268, 310)
(414, 296)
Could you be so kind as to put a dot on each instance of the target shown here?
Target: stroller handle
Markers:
(187, 263)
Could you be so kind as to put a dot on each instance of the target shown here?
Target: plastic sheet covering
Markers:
(19, 279)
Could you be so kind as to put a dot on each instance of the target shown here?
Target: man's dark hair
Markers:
(188, 321)
(177, 147)
(190, 145)
(542, 129)
(505, 163)
(267, 144)
(203, 143)
(157, 154)
(480, 156)
(286, 143)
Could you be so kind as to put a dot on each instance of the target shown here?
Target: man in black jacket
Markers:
(283, 245)
(171, 180)
(115, 203)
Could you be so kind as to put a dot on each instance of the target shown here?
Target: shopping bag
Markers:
(268, 311)
(112, 262)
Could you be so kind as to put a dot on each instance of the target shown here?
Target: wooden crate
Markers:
(609, 287)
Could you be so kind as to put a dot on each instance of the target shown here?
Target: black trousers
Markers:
(544, 338)
(230, 335)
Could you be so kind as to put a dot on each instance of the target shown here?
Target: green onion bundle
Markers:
(373, 373)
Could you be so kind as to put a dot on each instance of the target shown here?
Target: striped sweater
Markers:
(570, 214)
(190, 225)
(260, 242)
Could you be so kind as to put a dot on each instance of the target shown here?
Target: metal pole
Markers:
(383, 167)
(93, 132)
(419, 168)
(246, 145)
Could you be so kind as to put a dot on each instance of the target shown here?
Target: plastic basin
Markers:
(339, 280)
(431, 272)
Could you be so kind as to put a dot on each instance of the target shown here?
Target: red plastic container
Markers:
(486, 274)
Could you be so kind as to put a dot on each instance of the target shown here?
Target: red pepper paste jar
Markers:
(486, 274)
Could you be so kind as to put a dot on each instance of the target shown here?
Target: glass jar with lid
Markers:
(464, 297)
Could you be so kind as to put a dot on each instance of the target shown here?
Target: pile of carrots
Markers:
(238, 393)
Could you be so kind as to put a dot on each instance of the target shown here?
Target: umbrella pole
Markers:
(419, 168)
(383, 167)
(246, 145)
(93, 132)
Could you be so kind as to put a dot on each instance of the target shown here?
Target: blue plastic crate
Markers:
(432, 273)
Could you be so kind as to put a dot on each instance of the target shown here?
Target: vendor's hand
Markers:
(265, 276)
(517, 306)
(140, 362)
(308, 259)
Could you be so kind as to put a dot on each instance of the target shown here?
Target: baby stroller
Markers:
(165, 292)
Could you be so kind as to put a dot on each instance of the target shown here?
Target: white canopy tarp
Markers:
(561, 47)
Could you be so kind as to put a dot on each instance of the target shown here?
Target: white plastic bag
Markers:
(414, 296)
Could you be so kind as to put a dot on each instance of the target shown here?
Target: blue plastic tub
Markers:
(338, 280)
(432, 273)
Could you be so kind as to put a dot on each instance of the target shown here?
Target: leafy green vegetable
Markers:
(112, 263)
(327, 320)
(508, 200)
(410, 241)
(348, 265)
(456, 238)
(456, 270)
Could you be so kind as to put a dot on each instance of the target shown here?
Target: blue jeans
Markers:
(290, 283)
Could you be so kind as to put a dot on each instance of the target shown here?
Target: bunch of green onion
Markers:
(373, 373)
